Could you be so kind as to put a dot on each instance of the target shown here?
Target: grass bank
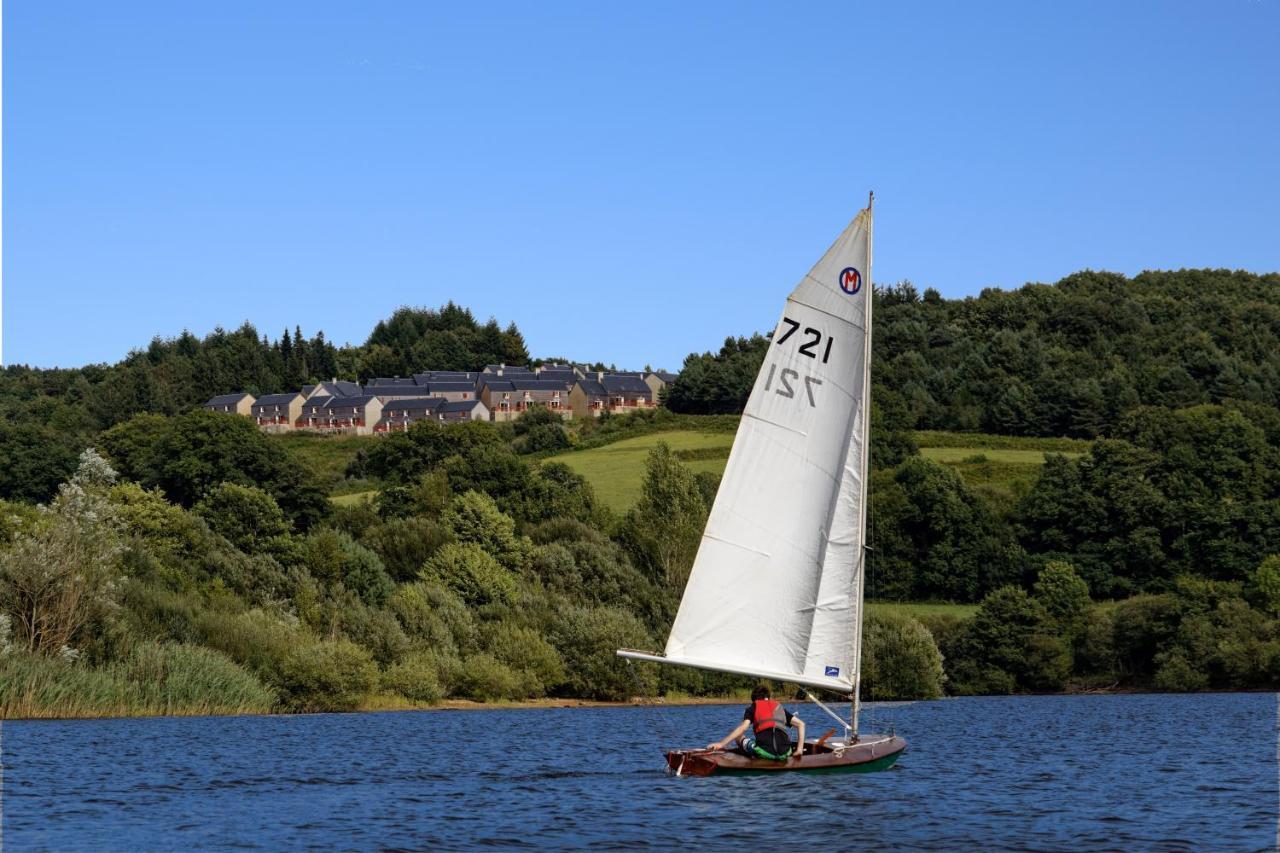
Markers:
(155, 680)
(616, 471)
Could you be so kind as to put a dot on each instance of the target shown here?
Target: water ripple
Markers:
(1039, 773)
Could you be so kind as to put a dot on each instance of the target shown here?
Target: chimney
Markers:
(501, 367)
(599, 375)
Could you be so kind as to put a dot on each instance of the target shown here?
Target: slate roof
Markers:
(624, 383)
(349, 402)
(276, 399)
(566, 374)
(226, 399)
(414, 404)
(539, 385)
(495, 383)
(459, 406)
(665, 376)
(341, 388)
(318, 402)
(430, 376)
(307, 389)
(440, 387)
(592, 388)
(507, 369)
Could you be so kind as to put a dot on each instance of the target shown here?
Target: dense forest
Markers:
(1069, 359)
(189, 563)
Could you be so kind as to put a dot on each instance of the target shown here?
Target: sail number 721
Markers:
(785, 378)
(813, 337)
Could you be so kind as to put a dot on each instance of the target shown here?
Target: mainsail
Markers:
(776, 587)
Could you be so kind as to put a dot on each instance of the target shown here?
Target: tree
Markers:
(189, 455)
(934, 538)
(901, 660)
(667, 522)
(472, 573)
(249, 517)
(474, 518)
(59, 583)
(36, 459)
(334, 557)
(1063, 594)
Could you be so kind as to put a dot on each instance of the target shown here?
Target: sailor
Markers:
(769, 722)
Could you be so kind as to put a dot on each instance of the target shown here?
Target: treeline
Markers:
(1191, 491)
(1069, 359)
(48, 416)
(1201, 634)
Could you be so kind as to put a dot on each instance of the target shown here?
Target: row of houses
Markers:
(497, 393)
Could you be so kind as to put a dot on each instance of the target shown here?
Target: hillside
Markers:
(1069, 359)
(1000, 465)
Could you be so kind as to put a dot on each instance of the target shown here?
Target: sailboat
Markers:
(776, 589)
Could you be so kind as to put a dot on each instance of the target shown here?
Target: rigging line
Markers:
(814, 699)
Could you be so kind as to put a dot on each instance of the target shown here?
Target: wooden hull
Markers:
(869, 754)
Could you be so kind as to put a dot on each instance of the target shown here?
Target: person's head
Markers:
(761, 692)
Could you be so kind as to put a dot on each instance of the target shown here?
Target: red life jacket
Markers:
(767, 714)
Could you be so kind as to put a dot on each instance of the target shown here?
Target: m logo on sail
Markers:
(850, 280)
(832, 671)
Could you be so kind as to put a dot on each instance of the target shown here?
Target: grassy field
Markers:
(328, 456)
(1001, 467)
(982, 441)
(616, 471)
(914, 609)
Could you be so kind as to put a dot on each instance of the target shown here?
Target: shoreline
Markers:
(388, 704)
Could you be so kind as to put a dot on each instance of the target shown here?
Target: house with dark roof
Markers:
(398, 415)
(233, 404)
(498, 396)
(336, 388)
(397, 388)
(452, 390)
(354, 415)
(611, 392)
(561, 374)
(277, 412)
(463, 410)
(507, 398)
(657, 380)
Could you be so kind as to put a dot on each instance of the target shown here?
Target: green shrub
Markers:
(183, 678)
(484, 678)
(472, 573)
(565, 530)
(417, 677)
(435, 617)
(247, 516)
(531, 657)
(331, 675)
(474, 518)
(1176, 675)
(587, 639)
(376, 630)
(1264, 586)
(255, 639)
(900, 659)
(405, 544)
(334, 557)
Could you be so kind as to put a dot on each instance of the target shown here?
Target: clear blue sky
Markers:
(627, 181)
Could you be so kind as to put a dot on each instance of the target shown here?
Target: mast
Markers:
(861, 576)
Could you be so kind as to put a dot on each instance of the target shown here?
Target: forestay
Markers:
(775, 590)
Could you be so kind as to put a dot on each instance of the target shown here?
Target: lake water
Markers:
(1041, 772)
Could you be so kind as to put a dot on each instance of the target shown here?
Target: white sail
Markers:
(776, 588)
